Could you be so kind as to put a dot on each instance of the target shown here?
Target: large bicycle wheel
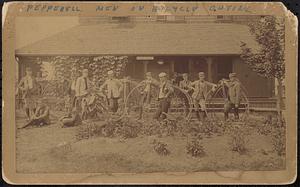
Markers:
(139, 106)
(215, 102)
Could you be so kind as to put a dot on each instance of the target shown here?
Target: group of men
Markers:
(112, 85)
(198, 90)
(38, 113)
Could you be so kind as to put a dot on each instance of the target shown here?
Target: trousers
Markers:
(163, 107)
(145, 99)
(227, 108)
(113, 104)
(37, 122)
(200, 109)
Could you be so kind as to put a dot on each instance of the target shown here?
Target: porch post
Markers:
(209, 61)
(172, 67)
(145, 63)
(190, 66)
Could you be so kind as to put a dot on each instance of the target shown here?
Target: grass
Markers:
(151, 146)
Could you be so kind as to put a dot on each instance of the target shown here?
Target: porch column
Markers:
(145, 63)
(172, 67)
(209, 61)
(190, 66)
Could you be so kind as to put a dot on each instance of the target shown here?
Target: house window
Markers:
(224, 19)
(120, 19)
(170, 18)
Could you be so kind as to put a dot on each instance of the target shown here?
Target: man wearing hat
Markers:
(185, 85)
(201, 89)
(28, 86)
(113, 90)
(233, 97)
(146, 91)
(81, 87)
(41, 116)
(164, 96)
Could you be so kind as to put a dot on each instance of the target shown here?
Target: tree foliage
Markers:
(268, 61)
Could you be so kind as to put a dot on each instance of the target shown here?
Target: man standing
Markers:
(81, 88)
(233, 97)
(201, 88)
(146, 91)
(114, 88)
(164, 96)
(28, 87)
(41, 115)
(176, 79)
(185, 85)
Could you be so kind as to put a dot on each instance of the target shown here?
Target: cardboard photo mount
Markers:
(12, 10)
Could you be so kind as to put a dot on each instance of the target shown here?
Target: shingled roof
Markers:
(145, 39)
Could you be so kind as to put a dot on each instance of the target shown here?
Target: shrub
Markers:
(212, 126)
(126, 131)
(238, 139)
(87, 130)
(160, 148)
(195, 148)
(165, 127)
(279, 138)
(276, 129)
(123, 128)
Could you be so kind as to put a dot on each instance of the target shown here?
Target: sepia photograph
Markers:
(160, 93)
(149, 93)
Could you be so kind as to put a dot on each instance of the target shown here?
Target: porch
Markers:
(216, 67)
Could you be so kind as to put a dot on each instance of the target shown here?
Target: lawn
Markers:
(131, 146)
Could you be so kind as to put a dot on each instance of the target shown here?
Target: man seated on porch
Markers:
(164, 97)
(185, 85)
(201, 89)
(41, 116)
(114, 88)
(233, 96)
(81, 88)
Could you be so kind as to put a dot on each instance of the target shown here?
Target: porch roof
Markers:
(145, 39)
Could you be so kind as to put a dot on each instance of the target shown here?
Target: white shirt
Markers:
(114, 87)
(27, 82)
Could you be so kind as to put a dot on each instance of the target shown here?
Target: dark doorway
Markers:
(181, 67)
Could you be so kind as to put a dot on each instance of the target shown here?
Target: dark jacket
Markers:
(234, 92)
